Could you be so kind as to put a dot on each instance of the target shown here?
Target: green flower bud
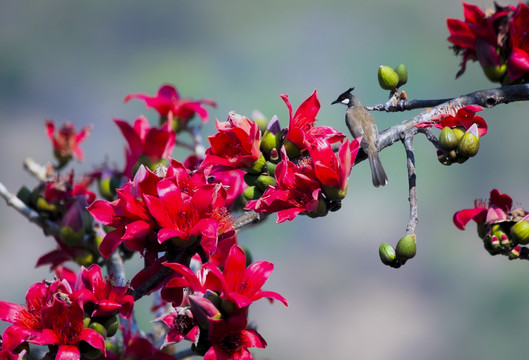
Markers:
(252, 193)
(264, 181)
(387, 253)
(334, 193)
(112, 325)
(84, 258)
(270, 168)
(100, 329)
(388, 79)
(257, 166)
(292, 149)
(402, 72)
(250, 179)
(459, 131)
(520, 232)
(86, 321)
(448, 139)
(270, 141)
(495, 73)
(406, 247)
(322, 210)
(70, 237)
(469, 145)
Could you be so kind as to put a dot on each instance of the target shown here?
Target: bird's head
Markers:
(345, 98)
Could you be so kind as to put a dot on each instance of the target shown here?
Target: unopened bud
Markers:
(469, 145)
(448, 139)
(515, 252)
(252, 193)
(270, 168)
(406, 247)
(520, 232)
(24, 194)
(402, 72)
(112, 325)
(257, 166)
(100, 329)
(387, 253)
(388, 79)
(264, 181)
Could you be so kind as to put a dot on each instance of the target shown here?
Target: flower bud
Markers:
(100, 329)
(402, 72)
(24, 194)
(270, 167)
(257, 166)
(202, 309)
(70, 237)
(272, 137)
(250, 179)
(448, 139)
(388, 79)
(406, 247)
(469, 145)
(292, 149)
(252, 193)
(264, 181)
(495, 73)
(334, 193)
(515, 252)
(520, 232)
(459, 131)
(322, 210)
(112, 325)
(387, 253)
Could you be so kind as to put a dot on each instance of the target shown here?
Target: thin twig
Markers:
(412, 177)
(37, 170)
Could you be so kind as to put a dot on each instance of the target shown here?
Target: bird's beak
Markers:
(335, 101)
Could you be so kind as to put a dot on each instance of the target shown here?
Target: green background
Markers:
(75, 61)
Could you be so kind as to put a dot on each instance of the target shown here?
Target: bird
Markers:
(361, 123)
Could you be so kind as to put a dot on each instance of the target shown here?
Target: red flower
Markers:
(230, 339)
(128, 215)
(518, 63)
(151, 142)
(332, 171)
(108, 298)
(296, 192)
(236, 283)
(168, 100)
(480, 36)
(236, 144)
(301, 124)
(181, 326)
(66, 141)
(496, 210)
(465, 117)
(63, 327)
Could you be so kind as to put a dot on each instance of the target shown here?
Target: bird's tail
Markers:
(377, 171)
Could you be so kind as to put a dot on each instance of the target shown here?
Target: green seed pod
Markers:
(468, 146)
(406, 247)
(402, 72)
(388, 79)
(270, 141)
(387, 253)
(270, 167)
(448, 139)
(250, 179)
(520, 232)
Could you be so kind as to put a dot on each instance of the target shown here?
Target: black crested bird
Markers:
(361, 123)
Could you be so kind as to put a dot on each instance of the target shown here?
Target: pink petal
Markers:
(462, 218)
(68, 352)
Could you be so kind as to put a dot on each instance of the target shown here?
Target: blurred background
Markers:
(72, 61)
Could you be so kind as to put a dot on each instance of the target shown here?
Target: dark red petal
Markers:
(503, 201)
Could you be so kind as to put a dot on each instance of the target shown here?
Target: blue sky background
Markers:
(73, 61)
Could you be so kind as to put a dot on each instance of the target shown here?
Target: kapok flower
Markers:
(128, 215)
(107, 297)
(237, 283)
(236, 144)
(181, 326)
(147, 143)
(465, 117)
(333, 171)
(518, 62)
(66, 141)
(62, 326)
(301, 125)
(495, 210)
(168, 100)
(296, 192)
(230, 339)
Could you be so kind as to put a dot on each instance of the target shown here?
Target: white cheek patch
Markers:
(345, 101)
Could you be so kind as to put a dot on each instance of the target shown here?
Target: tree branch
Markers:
(412, 223)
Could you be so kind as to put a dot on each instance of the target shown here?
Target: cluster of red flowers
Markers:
(497, 38)
(178, 216)
(72, 318)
